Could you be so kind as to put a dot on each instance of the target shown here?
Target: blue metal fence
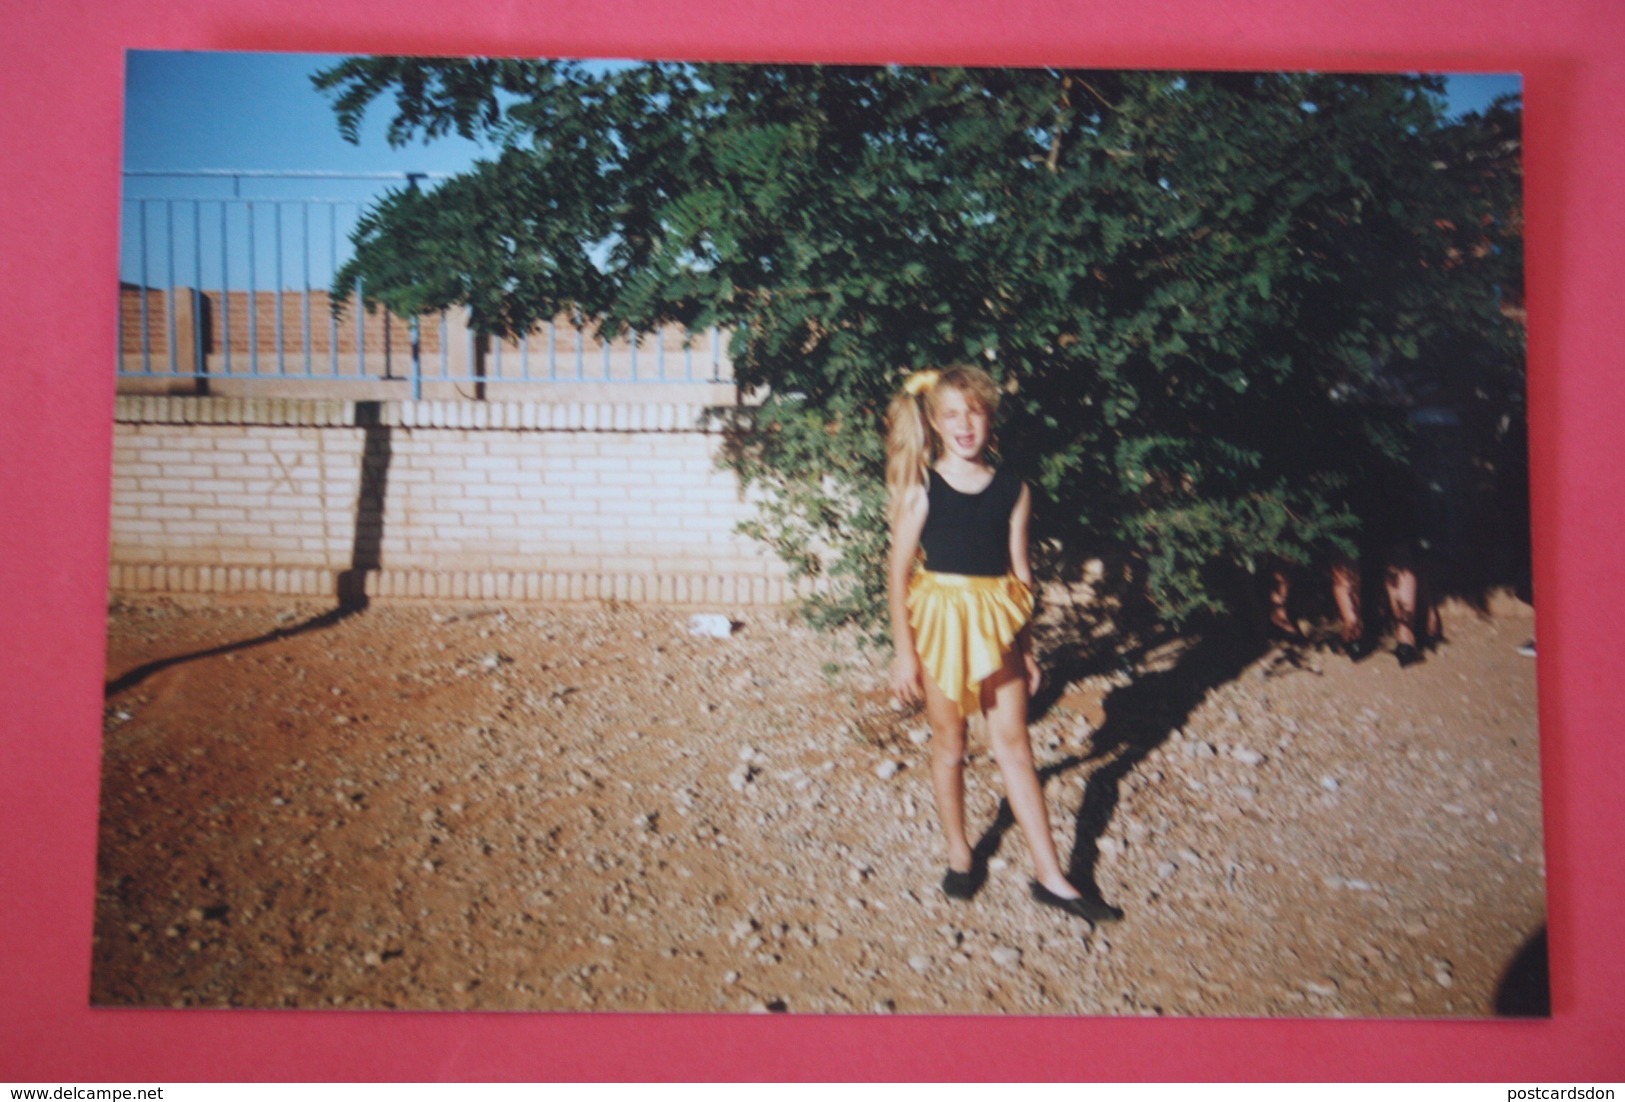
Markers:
(197, 273)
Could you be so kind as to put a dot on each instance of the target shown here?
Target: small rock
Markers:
(1006, 956)
(710, 624)
(920, 963)
(1325, 989)
(731, 977)
(886, 770)
(1330, 784)
(1443, 972)
(1248, 757)
(919, 736)
(1166, 869)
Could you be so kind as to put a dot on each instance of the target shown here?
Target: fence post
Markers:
(417, 359)
(187, 335)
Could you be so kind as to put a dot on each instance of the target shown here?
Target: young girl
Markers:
(959, 621)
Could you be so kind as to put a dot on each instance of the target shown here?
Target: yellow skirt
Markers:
(964, 626)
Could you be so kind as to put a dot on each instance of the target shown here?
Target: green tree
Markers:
(1192, 285)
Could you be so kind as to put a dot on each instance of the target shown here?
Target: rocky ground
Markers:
(595, 809)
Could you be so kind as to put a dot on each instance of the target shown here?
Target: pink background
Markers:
(61, 90)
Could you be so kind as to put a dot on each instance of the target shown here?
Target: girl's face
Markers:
(961, 423)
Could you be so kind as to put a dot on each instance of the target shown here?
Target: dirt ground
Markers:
(595, 809)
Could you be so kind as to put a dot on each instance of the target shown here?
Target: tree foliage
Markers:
(1210, 296)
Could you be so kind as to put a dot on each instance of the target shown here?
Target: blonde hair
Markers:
(912, 444)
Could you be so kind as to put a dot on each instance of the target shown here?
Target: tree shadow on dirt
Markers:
(365, 556)
(1139, 718)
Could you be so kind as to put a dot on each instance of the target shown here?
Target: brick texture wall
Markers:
(429, 499)
(233, 322)
(235, 316)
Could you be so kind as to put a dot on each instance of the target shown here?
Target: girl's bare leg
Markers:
(948, 772)
(1346, 592)
(1004, 701)
(1280, 596)
(1401, 585)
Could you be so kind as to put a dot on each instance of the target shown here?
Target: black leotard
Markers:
(969, 533)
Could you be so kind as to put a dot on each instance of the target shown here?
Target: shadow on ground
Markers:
(365, 555)
(136, 676)
(1139, 718)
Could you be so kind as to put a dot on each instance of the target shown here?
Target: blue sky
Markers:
(255, 111)
(196, 110)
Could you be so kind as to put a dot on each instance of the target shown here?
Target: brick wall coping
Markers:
(129, 579)
(511, 416)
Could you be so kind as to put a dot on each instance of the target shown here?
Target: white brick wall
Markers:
(228, 495)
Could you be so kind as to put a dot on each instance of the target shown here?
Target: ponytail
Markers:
(910, 441)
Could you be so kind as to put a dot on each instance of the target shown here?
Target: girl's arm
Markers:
(1021, 565)
(905, 547)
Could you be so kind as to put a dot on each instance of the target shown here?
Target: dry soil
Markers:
(596, 809)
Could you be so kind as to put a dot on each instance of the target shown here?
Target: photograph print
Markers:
(661, 536)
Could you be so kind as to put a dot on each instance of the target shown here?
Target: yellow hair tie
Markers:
(921, 381)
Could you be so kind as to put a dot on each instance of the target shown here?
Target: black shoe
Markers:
(1407, 655)
(1357, 649)
(1091, 909)
(960, 885)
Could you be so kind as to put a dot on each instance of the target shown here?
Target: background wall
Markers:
(512, 500)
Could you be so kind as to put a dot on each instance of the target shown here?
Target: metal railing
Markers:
(232, 288)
